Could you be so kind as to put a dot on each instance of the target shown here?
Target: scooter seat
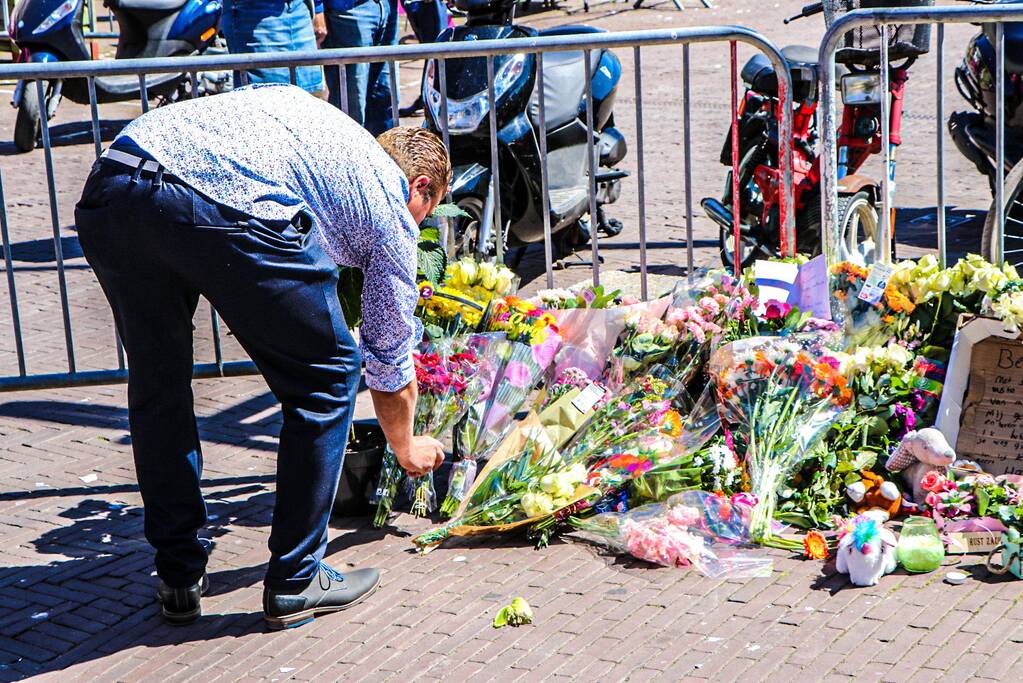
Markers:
(154, 5)
(759, 74)
(800, 54)
(564, 82)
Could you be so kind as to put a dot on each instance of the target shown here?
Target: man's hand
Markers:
(319, 28)
(416, 454)
(424, 455)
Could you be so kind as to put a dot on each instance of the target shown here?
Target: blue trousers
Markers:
(367, 23)
(272, 26)
(156, 245)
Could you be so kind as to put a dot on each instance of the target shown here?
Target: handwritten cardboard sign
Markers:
(991, 429)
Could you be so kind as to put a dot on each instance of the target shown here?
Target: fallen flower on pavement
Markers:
(517, 613)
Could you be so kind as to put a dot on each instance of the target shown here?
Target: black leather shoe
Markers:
(182, 606)
(330, 591)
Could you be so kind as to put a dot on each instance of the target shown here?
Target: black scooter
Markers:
(518, 123)
(974, 131)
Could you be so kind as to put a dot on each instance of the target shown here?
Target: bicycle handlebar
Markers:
(808, 11)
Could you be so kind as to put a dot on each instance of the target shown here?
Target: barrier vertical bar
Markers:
(92, 13)
(591, 152)
(94, 113)
(392, 70)
(1000, 143)
(98, 143)
(143, 93)
(548, 247)
(688, 158)
(737, 257)
(342, 86)
(828, 157)
(12, 291)
(243, 76)
(194, 78)
(495, 163)
(939, 148)
(885, 248)
(442, 74)
(292, 75)
(55, 218)
(640, 190)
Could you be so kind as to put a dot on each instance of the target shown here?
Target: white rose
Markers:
(537, 504)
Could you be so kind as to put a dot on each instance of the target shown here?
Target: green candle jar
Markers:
(920, 548)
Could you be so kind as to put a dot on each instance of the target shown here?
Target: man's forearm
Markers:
(395, 411)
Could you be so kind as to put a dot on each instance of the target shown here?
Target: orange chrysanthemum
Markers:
(897, 301)
(815, 545)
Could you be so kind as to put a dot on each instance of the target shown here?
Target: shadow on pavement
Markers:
(101, 599)
(74, 133)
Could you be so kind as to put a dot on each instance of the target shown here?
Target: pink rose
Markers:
(932, 481)
(517, 374)
(933, 500)
(776, 310)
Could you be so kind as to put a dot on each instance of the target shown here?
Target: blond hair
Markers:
(418, 152)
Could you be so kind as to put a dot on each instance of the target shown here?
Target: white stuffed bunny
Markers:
(867, 552)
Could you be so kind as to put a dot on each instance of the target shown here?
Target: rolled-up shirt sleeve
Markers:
(390, 330)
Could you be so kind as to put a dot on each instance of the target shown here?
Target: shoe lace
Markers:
(334, 574)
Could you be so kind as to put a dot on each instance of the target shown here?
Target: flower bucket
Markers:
(1010, 559)
(360, 472)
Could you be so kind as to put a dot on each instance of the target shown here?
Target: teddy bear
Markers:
(866, 552)
(873, 492)
(921, 451)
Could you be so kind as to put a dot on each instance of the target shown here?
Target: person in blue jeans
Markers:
(276, 26)
(363, 23)
(181, 206)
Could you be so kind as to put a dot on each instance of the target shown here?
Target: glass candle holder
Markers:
(920, 548)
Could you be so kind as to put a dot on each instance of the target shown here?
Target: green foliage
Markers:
(349, 293)
(448, 211)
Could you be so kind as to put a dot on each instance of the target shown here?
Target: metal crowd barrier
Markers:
(489, 49)
(884, 19)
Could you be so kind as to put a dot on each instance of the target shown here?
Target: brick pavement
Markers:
(75, 573)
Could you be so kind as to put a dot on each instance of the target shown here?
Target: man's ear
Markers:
(421, 185)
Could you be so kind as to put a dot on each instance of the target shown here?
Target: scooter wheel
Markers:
(29, 122)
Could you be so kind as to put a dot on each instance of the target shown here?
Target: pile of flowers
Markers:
(712, 417)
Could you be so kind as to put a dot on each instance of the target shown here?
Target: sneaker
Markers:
(182, 605)
(329, 592)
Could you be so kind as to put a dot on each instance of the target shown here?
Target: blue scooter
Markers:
(51, 31)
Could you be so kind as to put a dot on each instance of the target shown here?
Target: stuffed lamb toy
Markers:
(867, 552)
(920, 452)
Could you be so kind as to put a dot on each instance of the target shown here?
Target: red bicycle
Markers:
(858, 138)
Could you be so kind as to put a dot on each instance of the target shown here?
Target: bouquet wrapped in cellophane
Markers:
(515, 371)
(518, 364)
(513, 489)
(451, 374)
(781, 399)
(691, 529)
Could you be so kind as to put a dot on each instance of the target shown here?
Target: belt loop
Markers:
(138, 172)
(158, 180)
